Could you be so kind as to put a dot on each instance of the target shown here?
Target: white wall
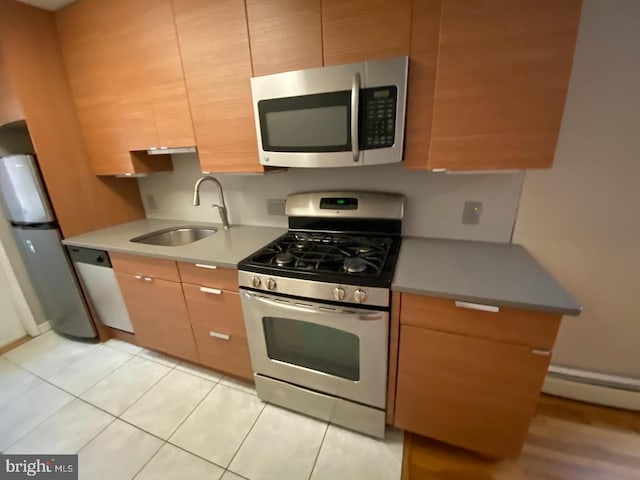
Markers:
(10, 324)
(581, 218)
(434, 201)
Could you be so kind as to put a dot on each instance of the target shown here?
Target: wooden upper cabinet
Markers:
(501, 80)
(285, 35)
(214, 42)
(150, 81)
(10, 107)
(114, 80)
(358, 30)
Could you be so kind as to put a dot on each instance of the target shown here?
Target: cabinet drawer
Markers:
(231, 356)
(209, 275)
(146, 266)
(215, 309)
(510, 325)
(468, 392)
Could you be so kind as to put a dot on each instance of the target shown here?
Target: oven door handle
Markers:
(368, 316)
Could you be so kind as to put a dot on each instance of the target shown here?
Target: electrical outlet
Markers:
(471, 213)
(150, 201)
(275, 206)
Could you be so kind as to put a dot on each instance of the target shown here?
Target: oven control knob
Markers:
(360, 296)
(339, 293)
(255, 281)
(271, 284)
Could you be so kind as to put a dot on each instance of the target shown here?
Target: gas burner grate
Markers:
(326, 253)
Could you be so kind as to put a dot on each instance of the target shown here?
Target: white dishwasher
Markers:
(99, 281)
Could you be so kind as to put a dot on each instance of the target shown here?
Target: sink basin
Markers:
(175, 236)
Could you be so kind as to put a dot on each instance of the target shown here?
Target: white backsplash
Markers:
(434, 201)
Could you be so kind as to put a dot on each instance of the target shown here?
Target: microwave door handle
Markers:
(355, 106)
(368, 315)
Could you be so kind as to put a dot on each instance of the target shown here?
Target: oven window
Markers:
(307, 123)
(313, 346)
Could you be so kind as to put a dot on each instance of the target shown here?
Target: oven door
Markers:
(334, 350)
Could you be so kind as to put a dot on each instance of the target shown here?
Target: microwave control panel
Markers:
(378, 117)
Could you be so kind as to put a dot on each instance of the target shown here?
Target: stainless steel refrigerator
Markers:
(36, 232)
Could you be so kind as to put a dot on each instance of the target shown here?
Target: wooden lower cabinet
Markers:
(158, 314)
(217, 310)
(218, 327)
(228, 355)
(474, 393)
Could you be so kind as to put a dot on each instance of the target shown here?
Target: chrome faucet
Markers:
(222, 209)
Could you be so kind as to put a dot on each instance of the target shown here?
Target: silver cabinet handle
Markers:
(478, 306)
(148, 279)
(355, 105)
(138, 277)
(202, 265)
(543, 353)
(221, 336)
(215, 291)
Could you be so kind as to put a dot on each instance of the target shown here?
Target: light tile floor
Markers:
(132, 413)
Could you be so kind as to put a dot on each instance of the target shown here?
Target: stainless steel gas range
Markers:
(316, 305)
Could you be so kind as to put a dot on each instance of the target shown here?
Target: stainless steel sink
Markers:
(175, 236)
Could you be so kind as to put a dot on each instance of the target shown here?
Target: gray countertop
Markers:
(225, 248)
(495, 273)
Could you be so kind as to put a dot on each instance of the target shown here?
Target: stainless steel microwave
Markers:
(340, 116)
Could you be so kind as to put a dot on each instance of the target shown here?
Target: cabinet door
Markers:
(159, 314)
(151, 83)
(358, 30)
(214, 42)
(82, 29)
(476, 394)
(501, 82)
(285, 35)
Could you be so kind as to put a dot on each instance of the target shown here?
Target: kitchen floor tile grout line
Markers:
(119, 417)
(245, 437)
(80, 398)
(315, 461)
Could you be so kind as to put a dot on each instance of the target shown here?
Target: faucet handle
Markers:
(223, 215)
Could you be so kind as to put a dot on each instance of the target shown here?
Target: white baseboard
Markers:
(44, 327)
(611, 397)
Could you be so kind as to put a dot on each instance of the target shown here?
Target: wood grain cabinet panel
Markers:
(158, 314)
(217, 310)
(10, 107)
(465, 391)
(216, 59)
(209, 275)
(285, 35)
(508, 325)
(230, 355)
(113, 74)
(150, 80)
(358, 30)
(501, 82)
(146, 266)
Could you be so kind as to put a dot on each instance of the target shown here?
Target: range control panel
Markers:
(378, 114)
